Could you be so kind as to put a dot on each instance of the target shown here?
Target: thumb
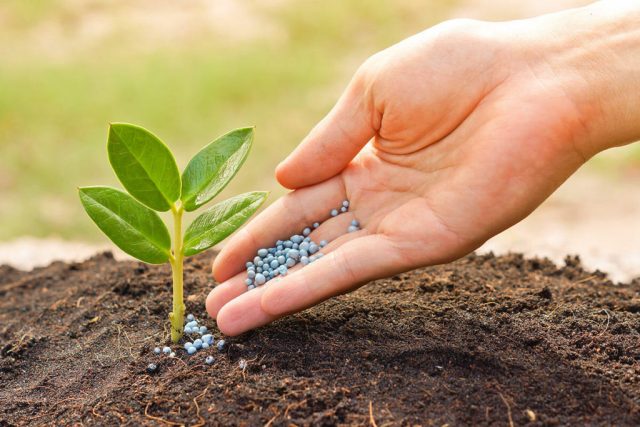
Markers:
(333, 142)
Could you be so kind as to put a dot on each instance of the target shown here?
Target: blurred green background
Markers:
(188, 71)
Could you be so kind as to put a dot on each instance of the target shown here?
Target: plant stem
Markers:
(177, 315)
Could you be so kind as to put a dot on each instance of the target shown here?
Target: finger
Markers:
(333, 142)
(349, 266)
(333, 230)
(244, 311)
(225, 292)
(287, 216)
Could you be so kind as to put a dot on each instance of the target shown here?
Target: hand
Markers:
(439, 143)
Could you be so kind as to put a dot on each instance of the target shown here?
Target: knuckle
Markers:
(369, 70)
(345, 267)
(462, 33)
(458, 26)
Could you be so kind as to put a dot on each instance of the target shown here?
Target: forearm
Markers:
(595, 52)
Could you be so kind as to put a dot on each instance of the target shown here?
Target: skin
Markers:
(441, 142)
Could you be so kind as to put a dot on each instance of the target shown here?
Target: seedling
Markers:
(148, 171)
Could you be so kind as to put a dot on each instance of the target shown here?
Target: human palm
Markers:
(436, 147)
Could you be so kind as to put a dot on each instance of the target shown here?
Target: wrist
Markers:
(594, 54)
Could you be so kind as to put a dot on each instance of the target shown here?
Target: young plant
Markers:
(147, 169)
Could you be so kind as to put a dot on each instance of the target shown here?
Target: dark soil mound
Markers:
(485, 340)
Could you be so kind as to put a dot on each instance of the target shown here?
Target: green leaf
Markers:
(214, 166)
(219, 221)
(133, 227)
(144, 165)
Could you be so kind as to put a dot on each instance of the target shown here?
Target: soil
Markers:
(482, 341)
